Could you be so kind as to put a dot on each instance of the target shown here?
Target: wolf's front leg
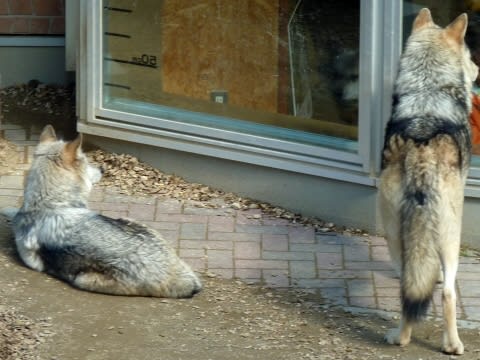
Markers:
(27, 247)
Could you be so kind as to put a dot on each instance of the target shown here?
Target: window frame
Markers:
(380, 41)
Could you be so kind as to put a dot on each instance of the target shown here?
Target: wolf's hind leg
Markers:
(391, 224)
(102, 283)
(449, 248)
(451, 341)
(390, 196)
(401, 335)
(395, 249)
(181, 283)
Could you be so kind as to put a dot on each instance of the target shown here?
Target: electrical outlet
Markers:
(219, 96)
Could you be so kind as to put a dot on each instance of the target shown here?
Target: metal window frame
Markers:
(380, 39)
(32, 41)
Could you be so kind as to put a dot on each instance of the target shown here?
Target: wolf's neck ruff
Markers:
(423, 129)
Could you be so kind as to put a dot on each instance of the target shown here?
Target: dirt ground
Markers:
(43, 318)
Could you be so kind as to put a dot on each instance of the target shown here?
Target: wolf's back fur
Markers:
(55, 232)
(429, 171)
(425, 162)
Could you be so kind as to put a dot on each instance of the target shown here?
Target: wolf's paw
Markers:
(194, 288)
(185, 287)
(453, 347)
(394, 337)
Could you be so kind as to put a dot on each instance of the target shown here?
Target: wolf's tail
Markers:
(419, 231)
(9, 212)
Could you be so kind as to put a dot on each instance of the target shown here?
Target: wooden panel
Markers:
(206, 45)
(228, 45)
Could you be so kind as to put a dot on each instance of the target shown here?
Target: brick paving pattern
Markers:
(348, 271)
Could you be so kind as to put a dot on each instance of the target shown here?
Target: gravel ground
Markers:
(132, 177)
(20, 336)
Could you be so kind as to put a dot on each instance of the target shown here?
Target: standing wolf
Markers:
(55, 232)
(424, 167)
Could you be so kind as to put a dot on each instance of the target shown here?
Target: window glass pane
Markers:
(280, 68)
(443, 13)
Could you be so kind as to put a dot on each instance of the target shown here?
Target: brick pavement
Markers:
(348, 271)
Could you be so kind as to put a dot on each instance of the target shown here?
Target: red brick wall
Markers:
(32, 17)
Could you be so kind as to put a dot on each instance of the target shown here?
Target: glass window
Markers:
(280, 68)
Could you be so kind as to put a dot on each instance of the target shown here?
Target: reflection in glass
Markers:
(284, 68)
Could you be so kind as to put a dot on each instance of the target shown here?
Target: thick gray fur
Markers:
(55, 232)
(425, 161)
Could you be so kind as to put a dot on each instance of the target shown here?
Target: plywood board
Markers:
(198, 47)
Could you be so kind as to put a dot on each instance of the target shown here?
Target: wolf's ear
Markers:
(423, 19)
(48, 134)
(69, 153)
(457, 28)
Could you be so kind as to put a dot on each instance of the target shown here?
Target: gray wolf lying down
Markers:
(56, 233)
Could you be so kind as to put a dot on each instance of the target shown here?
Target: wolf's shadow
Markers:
(7, 241)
